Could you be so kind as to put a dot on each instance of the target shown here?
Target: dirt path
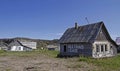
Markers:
(43, 63)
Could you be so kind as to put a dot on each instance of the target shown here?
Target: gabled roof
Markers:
(2, 44)
(85, 33)
(17, 43)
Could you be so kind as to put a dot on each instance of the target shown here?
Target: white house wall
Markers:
(17, 48)
(114, 49)
(20, 48)
(107, 53)
(32, 45)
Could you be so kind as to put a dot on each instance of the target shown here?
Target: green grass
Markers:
(105, 64)
(8, 69)
(29, 53)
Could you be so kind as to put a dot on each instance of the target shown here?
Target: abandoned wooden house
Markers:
(88, 40)
(17, 46)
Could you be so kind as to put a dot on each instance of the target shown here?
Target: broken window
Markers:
(97, 48)
(102, 48)
(106, 49)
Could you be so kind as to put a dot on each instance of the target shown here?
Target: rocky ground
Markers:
(43, 63)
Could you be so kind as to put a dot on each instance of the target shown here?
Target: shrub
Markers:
(2, 51)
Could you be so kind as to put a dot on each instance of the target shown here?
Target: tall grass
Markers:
(29, 53)
(105, 64)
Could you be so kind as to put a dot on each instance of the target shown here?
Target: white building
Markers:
(17, 46)
(32, 45)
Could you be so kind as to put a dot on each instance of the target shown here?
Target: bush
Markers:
(2, 51)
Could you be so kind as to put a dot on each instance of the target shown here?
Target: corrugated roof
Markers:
(85, 33)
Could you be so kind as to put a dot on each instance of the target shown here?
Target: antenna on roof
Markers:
(86, 20)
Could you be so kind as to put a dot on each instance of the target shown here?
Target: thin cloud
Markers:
(59, 34)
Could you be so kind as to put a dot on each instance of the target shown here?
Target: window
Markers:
(97, 48)
(102, 48)
(24, 48)
(106, 49)
(111, 47)
(65, 48)
(19, 48)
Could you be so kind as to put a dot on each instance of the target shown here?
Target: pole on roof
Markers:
(86, 20)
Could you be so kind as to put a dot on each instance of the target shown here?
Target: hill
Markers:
(40, 42)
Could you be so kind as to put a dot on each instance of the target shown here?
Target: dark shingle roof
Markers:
(86, 33)
(17, 43)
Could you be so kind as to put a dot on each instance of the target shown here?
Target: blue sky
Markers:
(48, 19)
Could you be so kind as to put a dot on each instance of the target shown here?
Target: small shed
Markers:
(52, 47)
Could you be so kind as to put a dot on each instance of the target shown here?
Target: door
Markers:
(65, 48)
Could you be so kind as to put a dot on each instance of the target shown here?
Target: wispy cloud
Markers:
(114, 36)
(59, 34)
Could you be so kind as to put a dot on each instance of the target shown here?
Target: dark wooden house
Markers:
(87, 40)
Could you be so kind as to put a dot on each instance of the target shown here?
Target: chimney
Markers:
(76, 25)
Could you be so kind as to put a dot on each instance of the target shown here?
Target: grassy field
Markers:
(105, 64)
(29, 53)
(44, 60)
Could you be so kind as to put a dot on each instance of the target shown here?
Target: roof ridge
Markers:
(88, 24)
(93, 23)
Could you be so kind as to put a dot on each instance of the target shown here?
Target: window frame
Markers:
(106, 48)
(97, 48)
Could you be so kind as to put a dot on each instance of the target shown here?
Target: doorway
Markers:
(65, 48)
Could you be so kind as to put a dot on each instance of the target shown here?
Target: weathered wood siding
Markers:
(114, 48)
(101, 36)
(76, 49)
